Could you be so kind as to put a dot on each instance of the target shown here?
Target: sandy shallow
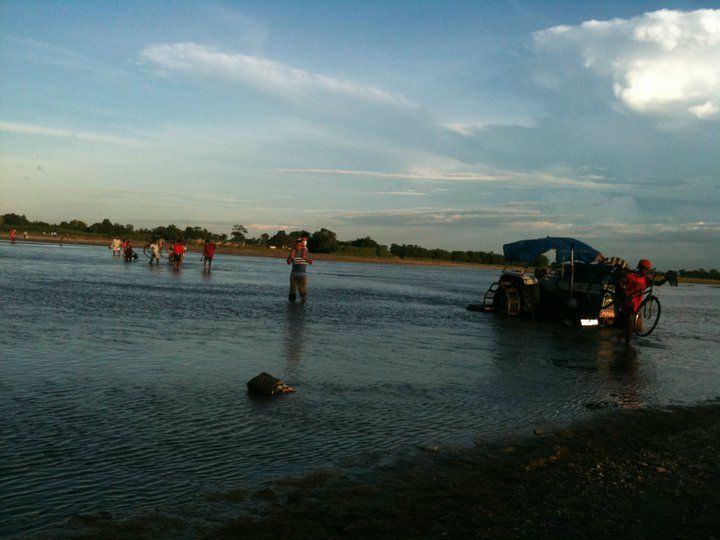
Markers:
(631, 473)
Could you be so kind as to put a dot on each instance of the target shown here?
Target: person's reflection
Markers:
(614, 358)
(623, 383)
(293, 337)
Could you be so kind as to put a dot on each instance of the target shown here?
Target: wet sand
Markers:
(631, 473)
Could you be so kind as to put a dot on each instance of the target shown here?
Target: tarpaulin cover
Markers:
(529, 250)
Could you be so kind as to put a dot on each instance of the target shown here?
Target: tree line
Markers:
(322, 241)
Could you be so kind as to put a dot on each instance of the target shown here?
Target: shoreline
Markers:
(281, 253)
(644, 473)
(245, 251)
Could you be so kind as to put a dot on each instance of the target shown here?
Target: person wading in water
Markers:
(298, 276)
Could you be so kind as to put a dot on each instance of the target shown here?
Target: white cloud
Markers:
(30, 129)
(470, 129)
(706, 110)
(509, 179)
(662, 62)
(259, 73)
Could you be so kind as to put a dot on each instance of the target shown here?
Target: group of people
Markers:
(156, 247)
(299, 259)
(123, 248)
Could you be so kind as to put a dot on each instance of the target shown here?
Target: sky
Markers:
(459, 124)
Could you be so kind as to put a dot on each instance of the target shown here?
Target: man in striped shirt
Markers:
(298, 275)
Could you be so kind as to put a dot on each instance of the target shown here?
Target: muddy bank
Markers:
(632, 473)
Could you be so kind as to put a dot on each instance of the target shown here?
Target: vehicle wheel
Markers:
(647, 316)
(147, 252)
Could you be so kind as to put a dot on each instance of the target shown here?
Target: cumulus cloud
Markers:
(663, 62)
(259, 73)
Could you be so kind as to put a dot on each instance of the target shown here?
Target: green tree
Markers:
(238, 233)
(279, 239)
(323, 241)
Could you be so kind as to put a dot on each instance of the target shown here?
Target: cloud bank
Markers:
(259, 73)
(664, 62)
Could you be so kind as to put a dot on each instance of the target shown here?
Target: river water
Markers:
(123, 386)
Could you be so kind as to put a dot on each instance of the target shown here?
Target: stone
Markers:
(268, 385)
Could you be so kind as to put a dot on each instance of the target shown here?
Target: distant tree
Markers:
(77, 225)
(15, 219)
(264, 239)
(294, 235)
(279, 239)
(238, 233)
(323, 241)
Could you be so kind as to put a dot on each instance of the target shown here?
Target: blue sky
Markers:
(462, 125)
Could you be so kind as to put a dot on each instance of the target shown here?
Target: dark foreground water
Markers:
(122, 386)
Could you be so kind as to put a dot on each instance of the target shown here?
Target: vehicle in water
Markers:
(582, 286)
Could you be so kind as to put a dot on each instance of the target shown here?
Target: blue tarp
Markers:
(529, 250)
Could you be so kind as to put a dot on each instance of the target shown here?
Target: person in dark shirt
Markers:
(298, 276)
(128, 252)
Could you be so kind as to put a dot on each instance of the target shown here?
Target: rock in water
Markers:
(268, 385)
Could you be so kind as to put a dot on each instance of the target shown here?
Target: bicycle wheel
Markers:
(147, 252)
(647, 316)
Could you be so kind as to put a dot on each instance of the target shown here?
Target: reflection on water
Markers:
(293, 337)
(122, 385)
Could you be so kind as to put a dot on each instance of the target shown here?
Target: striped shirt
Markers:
(299, 260)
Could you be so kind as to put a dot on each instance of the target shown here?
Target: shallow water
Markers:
(122, 386)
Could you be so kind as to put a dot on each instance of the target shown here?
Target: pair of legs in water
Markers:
(298, 284)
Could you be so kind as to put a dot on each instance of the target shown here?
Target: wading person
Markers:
(633, 283)
(128, 252)
(155, 251)
(298, 276)
(178, 254)
(208, 254)
(115, 246)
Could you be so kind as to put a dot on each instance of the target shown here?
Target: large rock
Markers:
(268, 385)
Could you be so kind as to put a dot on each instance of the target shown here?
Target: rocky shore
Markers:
(628, 474)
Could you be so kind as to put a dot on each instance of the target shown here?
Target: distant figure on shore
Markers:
(208, 254)
(13, 234)
(178, 254)
(115, 246)
(129, 253)
(155, 251)
(298, 275)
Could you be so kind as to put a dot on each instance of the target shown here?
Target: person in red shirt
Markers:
(632, 285)
(178, 254)
(208, 254)
(13, 232)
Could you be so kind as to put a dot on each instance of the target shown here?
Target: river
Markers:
(123, 385)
